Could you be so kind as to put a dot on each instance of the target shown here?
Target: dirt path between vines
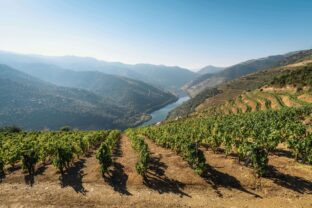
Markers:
(169, 183)
(168, 172)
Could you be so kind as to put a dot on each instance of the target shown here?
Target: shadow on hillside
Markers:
(219, 179)
(40, 170)
(30, 178)
(294, 183)
(13, 169)
(116, 176)
(283, 153)
(156, 179)
(73, 177)
(2, 176)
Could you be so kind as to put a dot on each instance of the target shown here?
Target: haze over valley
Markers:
(167, 103)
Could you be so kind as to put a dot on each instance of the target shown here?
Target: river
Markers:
(162, 113)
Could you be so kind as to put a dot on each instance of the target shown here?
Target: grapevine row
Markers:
(252, 136)
(59, 148)
(104, 153)
(141, 148)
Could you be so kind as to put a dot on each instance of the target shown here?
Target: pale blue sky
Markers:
(188, 33)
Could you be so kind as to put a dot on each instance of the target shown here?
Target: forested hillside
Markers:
(35, 104)
(136, 96)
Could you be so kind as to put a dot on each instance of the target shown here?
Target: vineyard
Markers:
(57, 148)
(253, 149)
(172, 158)
(263, 99)
(251, 136)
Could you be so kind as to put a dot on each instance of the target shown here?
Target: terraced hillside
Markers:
(263, 99)
(274, 88)
(219, 94)
(252, 66)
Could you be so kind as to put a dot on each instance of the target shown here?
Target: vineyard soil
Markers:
(168, 183)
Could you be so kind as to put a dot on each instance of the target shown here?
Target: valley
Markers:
(155, 104)
(243, 143)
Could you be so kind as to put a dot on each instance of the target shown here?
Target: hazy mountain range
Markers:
(50, 92)
(210, 70)
(77, 92)
(157, 75)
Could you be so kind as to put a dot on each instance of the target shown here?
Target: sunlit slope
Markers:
(290, 87)
(213, 97)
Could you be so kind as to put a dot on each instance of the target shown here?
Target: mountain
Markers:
(102, 101)
(218, 93)
(134, 95)
(210, 70)
(157, 75)
(211, 80)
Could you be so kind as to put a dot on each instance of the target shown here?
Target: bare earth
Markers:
(169, 183)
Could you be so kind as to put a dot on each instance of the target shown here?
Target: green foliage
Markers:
(141, 148)
(62, 156)
(104, 153)
(29, 153)
(259, 159)
(251, 135)
(300, 77)
(60, 148)
(302, 148)
(175, 137)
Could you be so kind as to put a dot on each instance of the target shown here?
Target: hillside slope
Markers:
(34, 104)
(136, 96)
(241, 69)
(210, 70)
(288, 86)
(230, 89)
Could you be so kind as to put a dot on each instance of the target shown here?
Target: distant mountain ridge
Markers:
(158, 75)
(210, 69)
(123, 91)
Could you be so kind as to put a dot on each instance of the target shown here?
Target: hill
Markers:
(285, 86)
(210, 70)
(136, 96)
(158, 75)
(34, 104)
(211, 80)
(225, 90)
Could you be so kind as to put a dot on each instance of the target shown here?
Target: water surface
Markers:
(162, 113)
